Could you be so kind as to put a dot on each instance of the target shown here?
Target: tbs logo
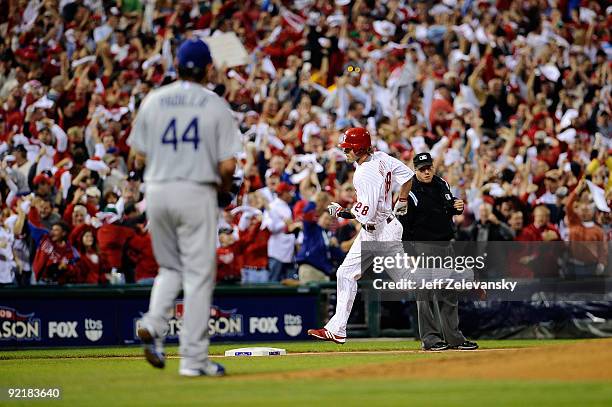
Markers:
(293, 324)
(93, 329)
(64, 330)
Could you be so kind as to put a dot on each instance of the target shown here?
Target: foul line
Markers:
(332, 353)
(374, 352)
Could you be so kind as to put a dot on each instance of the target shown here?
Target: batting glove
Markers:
(401, 207)
(334, 208)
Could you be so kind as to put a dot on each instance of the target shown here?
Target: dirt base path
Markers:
(588, 360)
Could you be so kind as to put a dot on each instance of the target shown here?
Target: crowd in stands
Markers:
(511, 98)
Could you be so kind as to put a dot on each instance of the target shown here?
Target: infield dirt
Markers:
(581, 361)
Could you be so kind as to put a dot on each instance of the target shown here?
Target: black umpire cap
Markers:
(422, 160)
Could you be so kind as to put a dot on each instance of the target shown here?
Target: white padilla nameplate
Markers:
(259, 351)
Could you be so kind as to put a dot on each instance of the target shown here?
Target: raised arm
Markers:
(572, 216)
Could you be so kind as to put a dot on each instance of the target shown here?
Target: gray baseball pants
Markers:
(438, 310)
(438, 314)
(183, 223)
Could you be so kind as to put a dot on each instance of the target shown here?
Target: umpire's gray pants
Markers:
(438, 314)
(438, 310)
(183, 223)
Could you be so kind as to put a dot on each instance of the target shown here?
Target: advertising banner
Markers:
(65, 322)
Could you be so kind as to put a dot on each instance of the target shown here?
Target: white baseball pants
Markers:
(350, 271)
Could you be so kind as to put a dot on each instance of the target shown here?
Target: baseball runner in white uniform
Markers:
(374, 178)
(189, 138)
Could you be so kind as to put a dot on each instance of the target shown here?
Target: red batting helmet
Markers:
(356, 138)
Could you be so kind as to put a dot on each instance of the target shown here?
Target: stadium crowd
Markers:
(511, 98)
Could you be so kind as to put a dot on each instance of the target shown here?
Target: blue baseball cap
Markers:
(194, 53)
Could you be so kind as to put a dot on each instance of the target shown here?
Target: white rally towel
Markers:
(84, 60)
(599, 197)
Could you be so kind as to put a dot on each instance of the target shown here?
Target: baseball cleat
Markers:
(153, 348)
(211, 369)
(437, 347)
(467, 345)
(325, 335)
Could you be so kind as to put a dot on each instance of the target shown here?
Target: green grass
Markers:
(88, 381)
(306, 346)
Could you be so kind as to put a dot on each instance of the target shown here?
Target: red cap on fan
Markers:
(284, 187)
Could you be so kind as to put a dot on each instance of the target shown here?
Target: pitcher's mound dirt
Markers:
(586, 360)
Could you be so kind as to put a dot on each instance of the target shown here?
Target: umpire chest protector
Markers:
(430, 211)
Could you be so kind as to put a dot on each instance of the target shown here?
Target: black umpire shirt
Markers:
(430, 212)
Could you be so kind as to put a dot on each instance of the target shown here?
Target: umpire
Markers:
(429, 219)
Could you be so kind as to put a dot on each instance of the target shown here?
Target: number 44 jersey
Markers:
(185, 130)
(375, 181)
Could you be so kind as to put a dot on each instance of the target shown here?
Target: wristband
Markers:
(345, 214)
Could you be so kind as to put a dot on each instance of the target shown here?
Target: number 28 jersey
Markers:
(374, 182)
(185, 130)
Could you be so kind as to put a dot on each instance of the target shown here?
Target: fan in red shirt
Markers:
(92, 266)
(253, 244)
(228, 257)
(441, 108)
(4, 129)
(540, 261)
(140, 252)
(56, 261)
(112, 238)
(541, 229)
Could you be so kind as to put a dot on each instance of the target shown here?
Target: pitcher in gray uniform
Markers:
(190, 139)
